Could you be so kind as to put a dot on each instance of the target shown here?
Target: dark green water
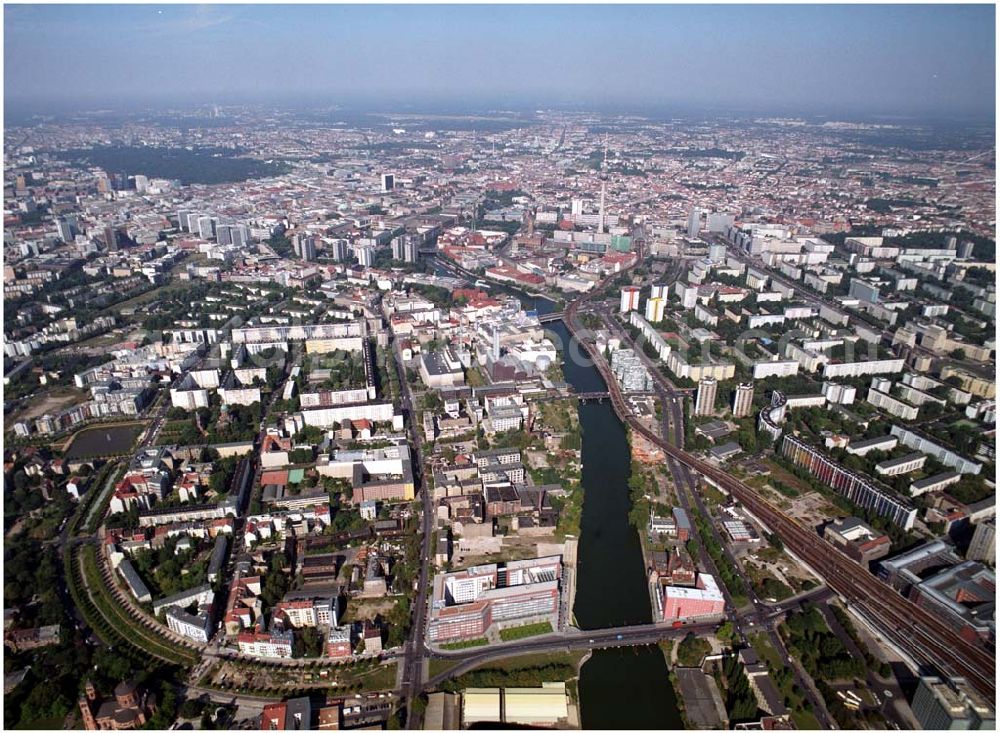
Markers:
(619, 688)
(103, 441)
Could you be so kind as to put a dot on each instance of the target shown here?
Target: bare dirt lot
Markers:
(52, 401)
(367, 608)
(811, 508)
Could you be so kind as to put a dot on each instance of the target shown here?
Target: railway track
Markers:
(924, 637)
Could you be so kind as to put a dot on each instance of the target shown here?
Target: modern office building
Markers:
(388, 182)
(465, 604)
(951, 704)
(705, 400)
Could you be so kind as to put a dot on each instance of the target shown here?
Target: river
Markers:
(619, 688)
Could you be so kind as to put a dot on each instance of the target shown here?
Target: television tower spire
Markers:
(604, 185)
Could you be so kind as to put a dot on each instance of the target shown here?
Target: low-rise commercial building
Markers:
(857, 540)
(680, 602)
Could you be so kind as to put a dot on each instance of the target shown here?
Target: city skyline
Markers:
(889, 61)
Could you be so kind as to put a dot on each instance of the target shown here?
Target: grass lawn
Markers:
(805, 720)
(465, 644)
(437, 666)
(382, 677)
(789, 479)
(167, 289)
(522, 632)
(558, 415)
(522, 661)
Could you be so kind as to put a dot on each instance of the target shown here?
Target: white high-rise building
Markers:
(694, 222)
(338, 250)
(224, 234)
(240, 234)
(308, 248)
(983, 545)
(365, 254)
(398, 246)
(630, 299)
(743, 400)
(66, 229)
(206, 227)
(705, 401)
(411, 250)
(654, 309)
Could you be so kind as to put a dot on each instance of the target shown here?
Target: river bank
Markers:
(611, 580)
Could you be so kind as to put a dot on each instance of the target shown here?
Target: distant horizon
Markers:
(914, 62)
(21, 111)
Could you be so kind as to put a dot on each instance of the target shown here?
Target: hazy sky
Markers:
(882, 59)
